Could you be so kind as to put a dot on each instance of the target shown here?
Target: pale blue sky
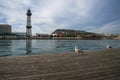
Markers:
(101, 16)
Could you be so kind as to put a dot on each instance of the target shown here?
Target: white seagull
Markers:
(77, 50)
(108, 46)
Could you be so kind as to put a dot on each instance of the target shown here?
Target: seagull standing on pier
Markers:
(108, 46)
(77, 50)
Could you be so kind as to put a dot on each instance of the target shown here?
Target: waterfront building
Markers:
(42, 35)
(19, 35)
(28, 26)
(5, 29)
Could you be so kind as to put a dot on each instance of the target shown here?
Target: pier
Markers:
(90, 65)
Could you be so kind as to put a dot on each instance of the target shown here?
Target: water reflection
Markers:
(28, 46)
(5, 47)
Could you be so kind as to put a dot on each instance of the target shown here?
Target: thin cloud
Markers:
(108, 28)
(112, 27)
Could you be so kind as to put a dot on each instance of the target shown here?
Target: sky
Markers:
(99, 16)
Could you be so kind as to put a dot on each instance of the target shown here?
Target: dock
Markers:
(90, 65)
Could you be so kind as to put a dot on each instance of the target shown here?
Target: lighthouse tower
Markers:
(28, 26)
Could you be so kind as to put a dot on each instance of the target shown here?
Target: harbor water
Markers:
(31, 47)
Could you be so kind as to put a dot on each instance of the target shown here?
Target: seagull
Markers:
(78, 50)
(108, 46)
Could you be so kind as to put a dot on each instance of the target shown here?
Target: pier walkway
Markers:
(90, 65)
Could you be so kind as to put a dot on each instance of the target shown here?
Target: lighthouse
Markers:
(28, 26)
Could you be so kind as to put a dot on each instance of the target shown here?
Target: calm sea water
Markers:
(28, 47)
